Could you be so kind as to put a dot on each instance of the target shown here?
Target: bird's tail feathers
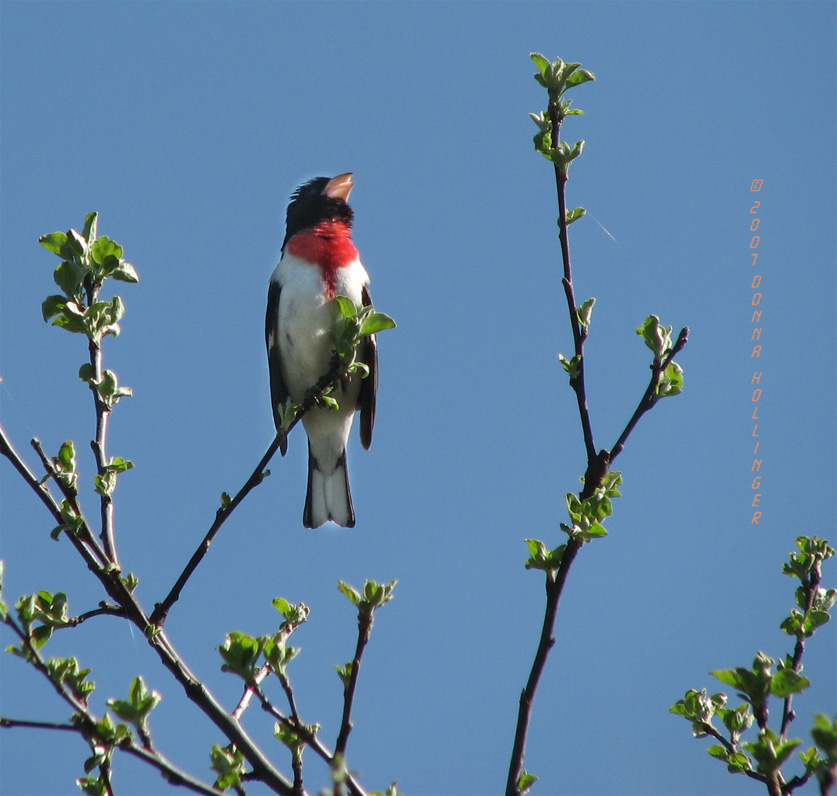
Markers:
(328, 497)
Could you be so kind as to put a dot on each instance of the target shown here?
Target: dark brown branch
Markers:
(364, 623)
(104, 609)
(554, 589)
(567, 281)
(598, 465)
(170, 772)
(38, 725)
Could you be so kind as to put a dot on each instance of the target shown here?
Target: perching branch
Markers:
(161, 610)
(338, 369)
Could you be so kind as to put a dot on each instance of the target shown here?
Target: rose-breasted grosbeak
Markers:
(319, 261)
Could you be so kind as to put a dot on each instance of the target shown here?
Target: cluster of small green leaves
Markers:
(764, 757)
(587, 516)
(558, 77)
(137, 707)
(351, 326)
(815, 602)
(251, 658)
(374, 595)
(48, 609)
(658, 338)
(87, 261)
(243, 654)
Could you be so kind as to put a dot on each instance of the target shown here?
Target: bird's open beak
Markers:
(340, 187)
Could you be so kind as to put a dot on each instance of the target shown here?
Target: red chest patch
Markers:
(328, 245)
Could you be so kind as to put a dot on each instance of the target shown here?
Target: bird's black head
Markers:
(320, 199)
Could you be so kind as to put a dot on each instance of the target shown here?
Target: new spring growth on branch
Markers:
(763, 757)
(558, 77)
(658, 338)
(87, 261)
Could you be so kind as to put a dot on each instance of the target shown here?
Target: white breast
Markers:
(306, 318)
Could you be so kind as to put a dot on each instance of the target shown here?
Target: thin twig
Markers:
(172, 773)
(8, 722)
(364, 623)
(648, 400)
(87, 548)
(99, 443)
(244, 702)
(71, 497)
(104, 609)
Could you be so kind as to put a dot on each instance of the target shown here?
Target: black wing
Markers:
(278, 390)
(368, 354)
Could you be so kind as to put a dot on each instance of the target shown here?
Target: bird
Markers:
(318, 262)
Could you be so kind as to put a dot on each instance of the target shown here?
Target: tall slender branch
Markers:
(555, 77)
(578, 335)
(555, 584)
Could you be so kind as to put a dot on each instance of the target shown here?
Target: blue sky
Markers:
(187, 126)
